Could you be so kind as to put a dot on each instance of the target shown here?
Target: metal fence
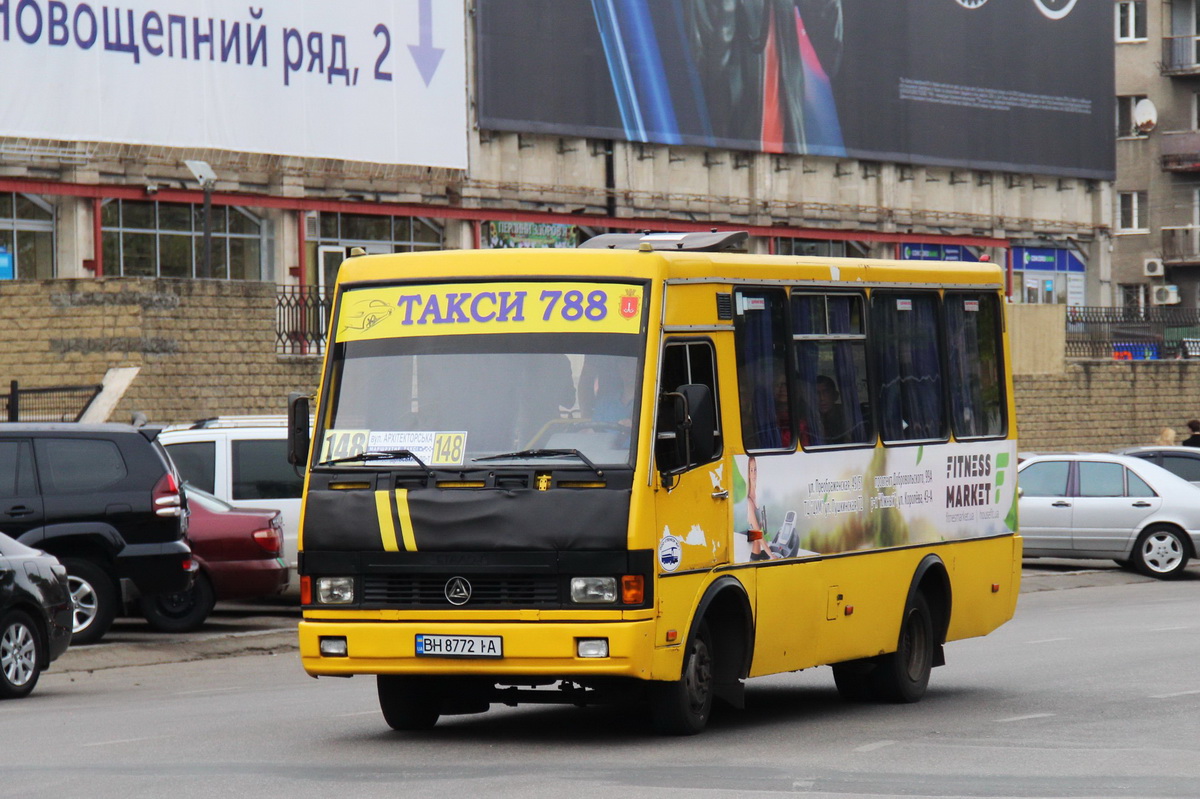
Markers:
(301, 319)
(1132, 334)
(57, 404)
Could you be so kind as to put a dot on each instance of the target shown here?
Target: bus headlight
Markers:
(594, 590)
(335, 590)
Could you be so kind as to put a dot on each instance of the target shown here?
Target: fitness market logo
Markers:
(1051, 9)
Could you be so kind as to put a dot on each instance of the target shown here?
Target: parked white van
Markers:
(242, 460)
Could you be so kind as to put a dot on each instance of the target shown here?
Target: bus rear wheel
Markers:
(682, 707)
(408, 703)
(903, 675)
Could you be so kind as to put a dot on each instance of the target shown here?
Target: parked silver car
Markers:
(1093, 505)
(1181, 461)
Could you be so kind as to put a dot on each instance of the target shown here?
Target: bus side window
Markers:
(906, 346)
(831, 369)
(688, 363)
(761, 342)
(975, 361)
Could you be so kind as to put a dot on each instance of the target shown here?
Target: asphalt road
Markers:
(1089, 692)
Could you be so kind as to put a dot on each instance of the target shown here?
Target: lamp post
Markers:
(206, 177)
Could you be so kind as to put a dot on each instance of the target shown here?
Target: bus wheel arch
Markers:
(932, 580)
(903, 675)
(717, 652)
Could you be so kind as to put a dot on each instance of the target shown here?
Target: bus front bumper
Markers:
(549, 650)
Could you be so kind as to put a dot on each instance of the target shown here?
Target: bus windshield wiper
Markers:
(380, 455)
(544, 453)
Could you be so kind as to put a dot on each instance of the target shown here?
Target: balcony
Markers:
(1180, 151)
(1181, 56)
(1181, 245)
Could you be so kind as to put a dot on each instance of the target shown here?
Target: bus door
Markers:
(693, 514)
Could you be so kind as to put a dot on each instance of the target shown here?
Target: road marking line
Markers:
(1172, 696)
(124, 741)
(1048, 640)
(1026, 718)
(874, 746)
(1170, 629)
(359, 713)
(204, 691)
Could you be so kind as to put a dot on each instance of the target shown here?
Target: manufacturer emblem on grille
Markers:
(458, 591)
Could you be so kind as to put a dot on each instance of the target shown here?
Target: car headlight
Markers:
(594, 590)
(335, 590)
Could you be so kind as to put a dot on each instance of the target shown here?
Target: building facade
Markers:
(1156, 230)
(263, 144)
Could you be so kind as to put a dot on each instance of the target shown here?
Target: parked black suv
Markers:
(105, 500)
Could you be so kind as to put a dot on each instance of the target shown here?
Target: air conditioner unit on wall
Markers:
(1153, 267)
(1165, 295)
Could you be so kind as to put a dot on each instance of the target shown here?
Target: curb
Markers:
(176, 650)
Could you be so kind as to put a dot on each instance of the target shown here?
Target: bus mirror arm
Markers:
(685, 429)
(299, 427)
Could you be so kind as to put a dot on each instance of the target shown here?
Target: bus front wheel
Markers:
(407, 703)
(682, 707)
(903, 675)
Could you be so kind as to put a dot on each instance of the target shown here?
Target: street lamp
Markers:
(206, 177)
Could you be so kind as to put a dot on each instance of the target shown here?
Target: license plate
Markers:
(460, 646)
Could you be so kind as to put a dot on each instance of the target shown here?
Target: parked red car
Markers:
(238, 551)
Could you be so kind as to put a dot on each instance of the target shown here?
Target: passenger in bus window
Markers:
(833, 416)
(783, 411)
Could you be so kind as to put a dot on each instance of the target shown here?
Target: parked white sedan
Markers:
(1085, 505)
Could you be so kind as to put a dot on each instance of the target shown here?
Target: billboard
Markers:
(1010, 85)
(383, 82)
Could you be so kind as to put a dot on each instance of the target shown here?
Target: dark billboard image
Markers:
(1012, 85)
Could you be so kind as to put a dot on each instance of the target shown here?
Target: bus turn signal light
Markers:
(632, 589)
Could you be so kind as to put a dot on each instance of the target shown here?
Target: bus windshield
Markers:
(454, 400)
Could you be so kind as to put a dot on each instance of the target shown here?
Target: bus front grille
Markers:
(496, 591)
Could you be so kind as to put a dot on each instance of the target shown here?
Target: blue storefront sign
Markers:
(6, 264)
(1045, 259)
(936, 252)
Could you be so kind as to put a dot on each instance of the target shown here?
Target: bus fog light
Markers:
(594, 590)
(591, 647)
(335, 590)
(333, 646)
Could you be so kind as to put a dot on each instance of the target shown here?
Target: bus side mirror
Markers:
(299, 427)
(686, 429)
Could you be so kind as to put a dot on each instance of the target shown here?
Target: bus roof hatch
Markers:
(715, 241)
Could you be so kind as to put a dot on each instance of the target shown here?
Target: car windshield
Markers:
(453, 401)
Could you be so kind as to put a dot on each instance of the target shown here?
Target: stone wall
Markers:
(202, 348)
(1103, 405)
(205, 348)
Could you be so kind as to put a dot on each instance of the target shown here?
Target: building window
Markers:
(1126, 119)
(1132, 295)
(336, 232)
(822, 248)
(1131, 211)
(158, 239)
(26, 237)
(1131, 20)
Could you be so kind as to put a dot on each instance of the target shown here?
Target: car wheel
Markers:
(903, 675)
(682, 707)
(1160, 552)
(181, 611)
(408, 703)
(19, 664)
(95, 597)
